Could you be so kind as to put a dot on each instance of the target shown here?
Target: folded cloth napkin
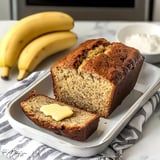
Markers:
(17, 147)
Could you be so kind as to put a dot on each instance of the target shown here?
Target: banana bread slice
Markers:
(78, 127)
(97, 75)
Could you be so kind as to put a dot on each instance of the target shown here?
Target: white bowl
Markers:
(143, 36)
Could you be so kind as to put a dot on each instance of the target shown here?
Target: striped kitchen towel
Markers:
(17, 147)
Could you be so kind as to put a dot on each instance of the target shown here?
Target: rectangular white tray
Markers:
(148, 82)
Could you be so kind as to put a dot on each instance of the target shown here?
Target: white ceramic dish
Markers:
(144, 30)
(148, 82)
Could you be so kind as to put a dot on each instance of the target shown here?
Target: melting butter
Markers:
(58, 112)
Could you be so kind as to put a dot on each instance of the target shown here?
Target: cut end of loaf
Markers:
(84, 90)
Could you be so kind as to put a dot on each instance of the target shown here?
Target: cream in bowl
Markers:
(145, 37)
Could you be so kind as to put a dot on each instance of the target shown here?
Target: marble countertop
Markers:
(147, 148)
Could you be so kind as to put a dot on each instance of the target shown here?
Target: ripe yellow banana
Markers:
(42, 47)
(26, 30)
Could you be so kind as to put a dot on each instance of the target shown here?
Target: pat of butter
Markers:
(57, 111)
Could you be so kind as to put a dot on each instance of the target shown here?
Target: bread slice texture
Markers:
(97, 75)
(79, 126)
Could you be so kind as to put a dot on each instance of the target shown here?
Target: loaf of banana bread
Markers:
(78, 126)
(97, 75)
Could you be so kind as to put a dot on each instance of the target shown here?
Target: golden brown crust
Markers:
(112, 65)
(75, 57)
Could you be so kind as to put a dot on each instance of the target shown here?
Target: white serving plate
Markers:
(141, 28)
(148, 82)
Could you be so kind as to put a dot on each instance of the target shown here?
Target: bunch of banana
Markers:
(38, 35)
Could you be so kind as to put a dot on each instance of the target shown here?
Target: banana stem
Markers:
(22, 74)
(5, 73)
